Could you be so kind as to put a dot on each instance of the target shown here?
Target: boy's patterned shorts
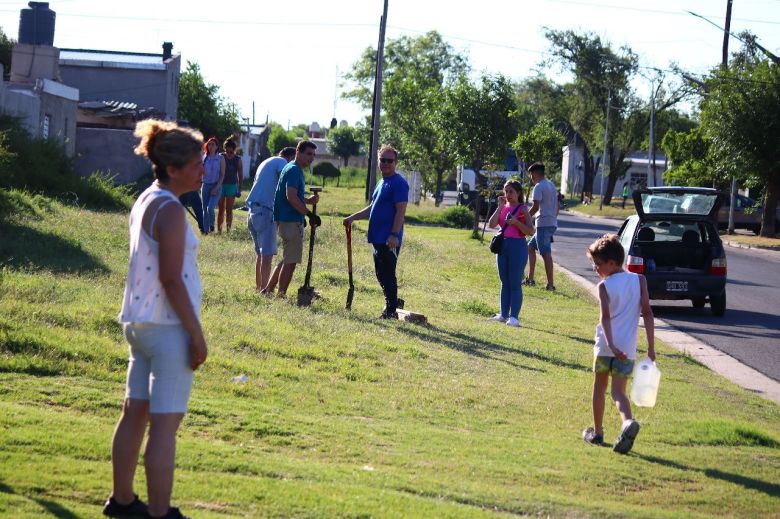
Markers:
(613, 365)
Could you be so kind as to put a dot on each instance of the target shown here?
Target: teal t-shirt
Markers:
(291, 176)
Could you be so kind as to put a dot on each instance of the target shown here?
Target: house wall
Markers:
(145, 87)
(61, 114)
(109, 151)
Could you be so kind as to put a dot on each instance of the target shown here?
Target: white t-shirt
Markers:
(625, 301)
(547, 196)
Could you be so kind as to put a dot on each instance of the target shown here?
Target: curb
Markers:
(717, 361)
(738, 245)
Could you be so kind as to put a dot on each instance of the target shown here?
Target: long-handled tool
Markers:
(306, 293)
(351, 292)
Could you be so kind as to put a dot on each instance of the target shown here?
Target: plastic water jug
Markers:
(644, 389)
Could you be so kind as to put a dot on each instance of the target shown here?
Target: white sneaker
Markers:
(513, 322)
(498, 317)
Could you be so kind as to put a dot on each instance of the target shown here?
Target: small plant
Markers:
(458, 217)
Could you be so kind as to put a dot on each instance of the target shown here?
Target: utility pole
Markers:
(604, 156)
(651, 147)
(725, 63)
(377, 106)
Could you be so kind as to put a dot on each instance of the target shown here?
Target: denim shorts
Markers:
(263, 230)
(159, 366)
(542, 240)
(613, 365)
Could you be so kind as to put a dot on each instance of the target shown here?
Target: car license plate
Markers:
(677, 286)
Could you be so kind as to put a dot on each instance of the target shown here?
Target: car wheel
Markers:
(718, 304)
(698, 302)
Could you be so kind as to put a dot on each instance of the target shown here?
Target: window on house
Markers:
(45, 129)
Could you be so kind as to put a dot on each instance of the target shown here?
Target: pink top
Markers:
(511, 231)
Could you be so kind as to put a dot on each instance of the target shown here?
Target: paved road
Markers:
(750, 330)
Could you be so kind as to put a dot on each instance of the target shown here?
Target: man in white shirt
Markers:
(545, 210)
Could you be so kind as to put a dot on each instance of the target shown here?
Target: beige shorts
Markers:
(291, 234)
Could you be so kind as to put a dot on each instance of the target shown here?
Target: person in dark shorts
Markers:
(231, 184)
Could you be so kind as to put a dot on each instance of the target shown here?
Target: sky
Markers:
(288, 58)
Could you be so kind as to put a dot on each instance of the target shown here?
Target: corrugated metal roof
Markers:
(111, 59)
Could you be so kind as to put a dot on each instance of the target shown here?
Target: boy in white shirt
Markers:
(622, 295)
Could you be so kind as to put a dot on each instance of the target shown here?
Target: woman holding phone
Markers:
(513, 214)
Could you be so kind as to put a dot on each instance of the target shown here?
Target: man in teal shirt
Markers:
(290, 210)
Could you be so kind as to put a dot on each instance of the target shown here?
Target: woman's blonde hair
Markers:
(165, 143)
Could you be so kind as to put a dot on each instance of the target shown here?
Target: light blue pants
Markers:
(209, 205)
(511, 265)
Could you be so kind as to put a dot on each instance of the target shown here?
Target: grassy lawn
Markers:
(752, 240)
(344, 415)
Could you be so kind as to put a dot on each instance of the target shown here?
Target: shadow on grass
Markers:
(768, 488)
(24, 247)
(475, 346)
(53, 508)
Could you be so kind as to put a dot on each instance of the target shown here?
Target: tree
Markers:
(343, 141)
(416, 72)
(279, 138)
(202, 106)
(326, 170)
(691, 163)
(6, 50)
(741, 119)
(476, 122)
(541, 143)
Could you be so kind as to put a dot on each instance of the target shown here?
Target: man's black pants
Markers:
(385, 261)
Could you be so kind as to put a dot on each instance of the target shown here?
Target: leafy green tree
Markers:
(6, 50)
(279, 138)
(541, 143)
(326, 170)
(741, 119)
(202, 106)
(476, 122)
(689, 156)
(344, 142)
(415, 74)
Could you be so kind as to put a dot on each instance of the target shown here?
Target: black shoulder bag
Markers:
(498, 239)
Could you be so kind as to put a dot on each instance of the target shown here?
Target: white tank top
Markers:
(624, 308)
(145, 300)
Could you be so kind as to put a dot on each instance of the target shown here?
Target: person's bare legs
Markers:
(619, 396)
(220, 213)
(229, 201)
(285, 276)
(125, 447)
(548, 268)
(531, 263)
(600, 382)
(273, 280)
(263, 271)
(159, 459)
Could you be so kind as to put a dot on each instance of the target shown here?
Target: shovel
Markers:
(351, 291)
(306, 293)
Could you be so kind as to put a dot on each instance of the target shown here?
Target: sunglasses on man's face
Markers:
(386, 161)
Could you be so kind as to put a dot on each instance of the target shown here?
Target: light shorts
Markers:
(292, 242)
(159, 366)
(613, 365)
(229, 189)
(542, 240)
(263, 230)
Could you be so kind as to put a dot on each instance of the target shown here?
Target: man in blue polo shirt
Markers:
(261, 215)
(386, 226)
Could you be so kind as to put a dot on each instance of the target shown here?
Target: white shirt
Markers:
(145, 300)
(547, 196)
(624, 293)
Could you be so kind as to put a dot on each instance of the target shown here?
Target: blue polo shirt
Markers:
(388, 192)
(291, 176)
(266, 179)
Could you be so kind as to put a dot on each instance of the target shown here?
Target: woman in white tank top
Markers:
(161, 317)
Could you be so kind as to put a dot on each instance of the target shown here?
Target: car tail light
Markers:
(718, 267)
(635, 264)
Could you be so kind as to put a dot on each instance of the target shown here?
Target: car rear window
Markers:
(676, 203)
(668, 231)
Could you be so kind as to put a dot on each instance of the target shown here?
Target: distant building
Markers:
(642, 172)
(148, 80)
(34, 94)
